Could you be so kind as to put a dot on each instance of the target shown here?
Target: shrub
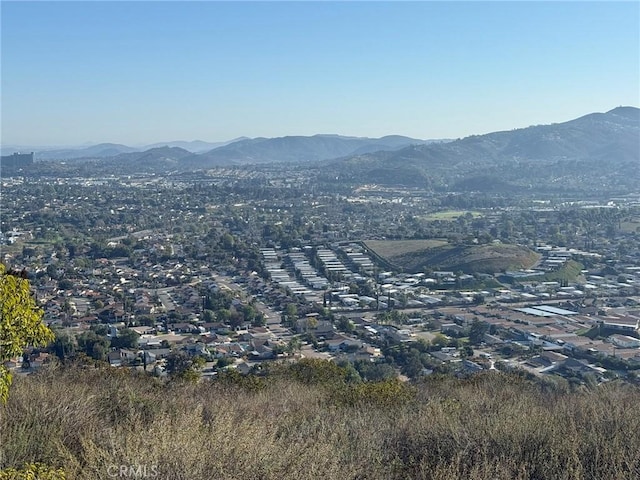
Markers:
(33, 471)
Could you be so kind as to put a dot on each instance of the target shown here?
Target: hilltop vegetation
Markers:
(418, 255)
(308, 420)
(596, 151)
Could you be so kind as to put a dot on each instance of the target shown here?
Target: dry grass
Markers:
(492, 426)
(398, 248)
(416, 255)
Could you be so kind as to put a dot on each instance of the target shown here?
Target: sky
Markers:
(142, 72)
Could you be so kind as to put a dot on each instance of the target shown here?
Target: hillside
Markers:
(310, 423)
(102, 150)
(602, 147)
(417, 255)
(163, 158)
(294, 149)
(194, 146)
(110, 150)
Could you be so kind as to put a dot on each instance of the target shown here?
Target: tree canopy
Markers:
(20, 323)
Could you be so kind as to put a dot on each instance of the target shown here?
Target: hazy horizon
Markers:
(7, 146)
(139, 73)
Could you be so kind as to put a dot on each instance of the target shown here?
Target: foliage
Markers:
(567, 273)
(345, 325)
(126, 338)
(477, 331)
(94, 345)
(63, 346)
(385, 393)
(20, 323)
(33, 471)
(395, 317)
(181, 365)
(374, 371)
(491, 425)
(313, 371)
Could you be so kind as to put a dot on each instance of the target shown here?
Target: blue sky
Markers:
(144, 72)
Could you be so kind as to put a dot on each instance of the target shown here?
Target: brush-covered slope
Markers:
(312, 424)
(419, 255)
(293, 149)
(602, 147)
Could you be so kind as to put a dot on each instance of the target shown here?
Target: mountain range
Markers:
(603, 146)
(105, 150)
(600, 147)
(296, 149)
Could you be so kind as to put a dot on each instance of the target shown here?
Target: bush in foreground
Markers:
(301, 423)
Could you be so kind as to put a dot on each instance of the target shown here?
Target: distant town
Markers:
(236, 267)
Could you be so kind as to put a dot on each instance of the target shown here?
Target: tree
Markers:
(20, 323)
(65, 284)
(259, 320)
(100, 329)
(126, 338)
(477, 331)
(374, 372)
(181, 365)
(345, 325)
(94, 345)
(440, 340)
(290, 315)
(294, 345)
(63, 346)
(466, 351)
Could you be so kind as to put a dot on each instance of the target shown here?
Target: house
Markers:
(158, 353)
(120, 357)
(197, 350)
(229, 350)
(322, 328)
(183, 328)
(143, 330)
(144, 308)
(553, 358)
(492, 339)
(39, 359)
(444, 357)
(624, 325)
(258, 333)
(342, 343)
(578, 366)
(471, 367)
(13, 362)
(149, 357)
(624, 341)
(399, 335)
(452, 329)
(262, 350)
(214, 327)
(547, 361)
(367, 353)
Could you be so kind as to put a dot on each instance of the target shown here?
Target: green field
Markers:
(451, 215)
(631, 226)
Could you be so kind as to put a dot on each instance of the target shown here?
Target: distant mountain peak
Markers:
(630, 112)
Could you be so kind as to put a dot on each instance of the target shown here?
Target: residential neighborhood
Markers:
(240, 267)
